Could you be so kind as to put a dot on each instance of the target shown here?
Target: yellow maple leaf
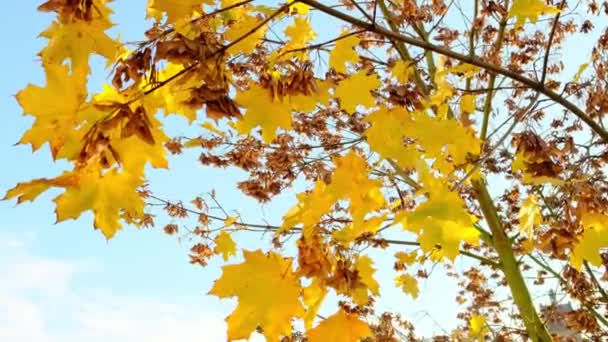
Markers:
(594, 238)
(528, 245)
(365, 270)
(529, 216)
(340, 327)
(406, 258)
(408, 284)
(344, 52)
(467, 104)
(313, 296)
(177, 9)
(530, 10)
(353, 230)
(300, 33)
(28, 191)
(224, 245)
(108, 195)
(350, 181)
(402, 71)
(174, 96)
(307, 103)
(298, 7)
(111, 196)
(268, 295)
(442, 224)
(77, 40)
(54, 107)
(134, 152)
(443, 90)
(478, 329)
(263, 111)
(310, 208)
(386, 136)
(440, 138)
(241, 28)
(230, 220)
(356, 90)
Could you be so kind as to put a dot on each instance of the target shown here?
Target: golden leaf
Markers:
(224, 245)
(300, 33)
(443, 224)
(107, 195)
(178, 9)
(298, 7)
(77, 40)
(344, 52)
(55, 108)
(406, 258)
(467, 104)
(263, 111)
(366, 273)
(230, 220)
(340, 327)
(408, 284)
(313, 296)
(268, 295)
(386, 136)
(243, 27)
(594, 238)
(402, 71)
(530, 10)
(478, 328)
(529, 216)
(350, 181)
(356, 90)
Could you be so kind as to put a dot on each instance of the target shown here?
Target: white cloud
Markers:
(40, 302)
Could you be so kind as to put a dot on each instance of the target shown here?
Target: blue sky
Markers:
(67, 283)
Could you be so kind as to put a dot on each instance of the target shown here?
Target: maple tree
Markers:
(449, 129)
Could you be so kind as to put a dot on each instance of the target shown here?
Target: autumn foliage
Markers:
(448, 129)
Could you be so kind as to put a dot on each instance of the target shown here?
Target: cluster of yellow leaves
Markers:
(105, 177)
(274, 310)
(349, 182)
(106, 182)
(273, 113)
(438, 138)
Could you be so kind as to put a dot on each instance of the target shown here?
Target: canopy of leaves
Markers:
(415, 134)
